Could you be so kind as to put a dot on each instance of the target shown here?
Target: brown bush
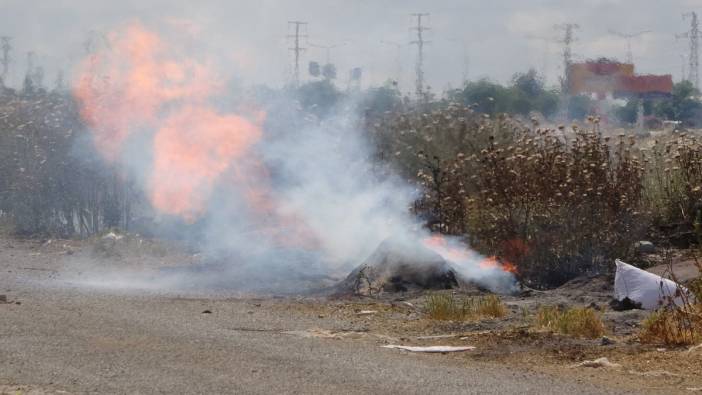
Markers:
(673, 326)
(673, 187)
(572, 203)
(555, 202)
(48, 185)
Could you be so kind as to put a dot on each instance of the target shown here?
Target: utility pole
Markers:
(30, 63)
(6, 47)
(546, 49)
(59, 81)
(628, 37)
(296, 48)
(466, 58)
(683, 60)
(567, 40)
(420, 42)
(693, 58)
(328, 49)
(398, 59)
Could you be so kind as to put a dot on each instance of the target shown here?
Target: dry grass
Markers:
(679, 322)
(556, 202)
(446, 307)
(578, 322)
(673, 327)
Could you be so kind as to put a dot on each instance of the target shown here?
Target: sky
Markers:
(468, 38)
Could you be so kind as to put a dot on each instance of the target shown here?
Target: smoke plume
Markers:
(274, 196)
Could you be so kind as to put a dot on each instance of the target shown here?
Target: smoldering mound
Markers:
(399, 265)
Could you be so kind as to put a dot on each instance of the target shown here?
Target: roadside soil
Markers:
(61, 335)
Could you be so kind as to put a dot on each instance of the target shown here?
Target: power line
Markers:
(546, 50)
(693, 58)
(567, 40)
(328, 48)
(297, 49)
(398, 59)
(30, 63)
(628, 37)
(420, 42)
(466, 59)
(6, 47)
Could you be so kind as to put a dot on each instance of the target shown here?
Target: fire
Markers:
(439, 244)
(140, 85)
(127, 86)
(192, 149)
(461, 254)
(493, 262)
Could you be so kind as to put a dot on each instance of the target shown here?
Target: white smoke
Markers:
(322, 187)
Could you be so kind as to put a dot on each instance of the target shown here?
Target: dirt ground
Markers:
(50, 322)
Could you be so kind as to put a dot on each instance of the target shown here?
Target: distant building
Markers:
(605, 78)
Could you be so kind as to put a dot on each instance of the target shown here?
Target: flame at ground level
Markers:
(460, 254)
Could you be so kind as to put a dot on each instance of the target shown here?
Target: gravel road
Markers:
(68, 339)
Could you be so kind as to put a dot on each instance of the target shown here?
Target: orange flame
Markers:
(141, 85)
(493, 262)
(441, 245)
(146, 88)
(192, 149)
(127, 86)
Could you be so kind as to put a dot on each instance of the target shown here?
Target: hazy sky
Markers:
(477, 38)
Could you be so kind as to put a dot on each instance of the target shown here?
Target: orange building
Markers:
(605, 78)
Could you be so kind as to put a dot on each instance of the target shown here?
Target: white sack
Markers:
(643, 287)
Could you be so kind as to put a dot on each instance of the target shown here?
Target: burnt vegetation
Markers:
(49, 187)
(555, 200)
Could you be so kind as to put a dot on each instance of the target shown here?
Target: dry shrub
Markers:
(578, 322)
(430, 148)
(673, 186)
(679, 321)
(488, 306)
(446, 307)
(46, 188)
(571, 202)
(673, 326)
(555, 202)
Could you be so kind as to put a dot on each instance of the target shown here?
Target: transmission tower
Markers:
(568, 30)
(683, 61)
(693, 58)
(6, 47)
(398, 59)
(296, 48)
(546, 49)
(328, 48)
(59, 81)
(420, 42)
(628, 37)
(30, 63)
(466, 58)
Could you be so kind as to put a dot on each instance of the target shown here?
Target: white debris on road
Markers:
(431, 348)
(597, 363)
(366, 312)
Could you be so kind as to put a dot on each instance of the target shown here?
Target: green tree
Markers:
(683, 104)
(384, 98)
(318, 97)
(525, 94)
(488, 97)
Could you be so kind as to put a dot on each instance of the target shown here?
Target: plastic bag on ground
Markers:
(648, 289)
